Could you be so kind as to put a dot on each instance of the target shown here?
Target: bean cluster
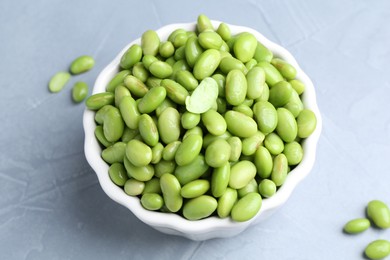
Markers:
(379, 213)
(203, 123)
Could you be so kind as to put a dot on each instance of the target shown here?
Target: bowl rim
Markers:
(210, 224)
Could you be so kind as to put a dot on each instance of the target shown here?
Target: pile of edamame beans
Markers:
(203, 124)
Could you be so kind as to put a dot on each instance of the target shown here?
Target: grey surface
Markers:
(51, 205)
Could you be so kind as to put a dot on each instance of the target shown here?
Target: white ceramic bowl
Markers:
(211, 227)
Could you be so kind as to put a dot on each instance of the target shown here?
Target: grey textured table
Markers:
(51, 205)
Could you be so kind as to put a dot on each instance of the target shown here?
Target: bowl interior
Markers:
(175, 222)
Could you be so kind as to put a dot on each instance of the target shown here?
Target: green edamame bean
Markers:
(239, 124)
(287, 127)
(274, 143)
(114, 153)
(131, 56)
(166, 103)
(250, 187)
(152, 201)
(164, 167)
(120, 92)
(245, 46)
(195, 189)
(214, 122)
(357, 225)
(191, 171)
(186, 79)
(210, 40)
(221, 105)
(129, 134)
(193, 131)
(138, 153)
(266, 116)
(99, 100)
(280, 93)
(379, 213)
(263, 162)
(209, 138)
(178, 37)
(204, 23)
(206, 64)
(192, 51)
(170, 150)
(99, 115)
(236, 148)
(129, 111)
(226, 202)
(117, 80)
(306, 123)
(176, 92)
(229, 63)
(152, 186)
(221, 81)
(265, 95)
(171, 61)
(224, 31)
(244, 109)
(279, 169)
(231, 41)
(272, 75)
(117, 173)
(113, 125)
(79, 91)
(189, 149)
(220, 180)
(157, 151)
(246, 207)
(293, 152)
(200, 207)
(241, 174)
(160, 69)
(224, 50)
(150, 42)
(286, 69)
(378, 249)
(298, 86)
(136, 86)
(168, 125)
(166, 49)
(217, 153)
(262, 53)
(81, 64)
(142, 173)
(171, 188)
(248, 102)
(236, 87)
(180, 53)
(179, 65)
(134, 187)
(294, 105)
(250, 144)
(148, 130)
(267, 188)
(147, 60)
(101, 138)
(152, 100)
(153, 82)
(140, 72)
(255, 79)
(251, 64)
(189, 120)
